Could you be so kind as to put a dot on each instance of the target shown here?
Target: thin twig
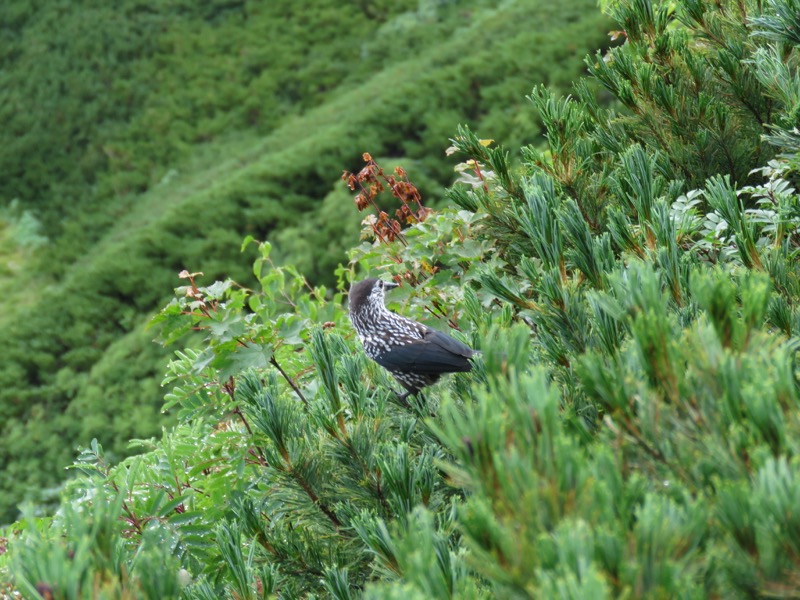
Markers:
(289, 380)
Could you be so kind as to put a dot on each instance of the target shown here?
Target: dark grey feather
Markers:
(436, 353)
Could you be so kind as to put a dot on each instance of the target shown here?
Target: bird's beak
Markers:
(390, 285)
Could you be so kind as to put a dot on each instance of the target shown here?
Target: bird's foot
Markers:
(417, 403)
(403, 398)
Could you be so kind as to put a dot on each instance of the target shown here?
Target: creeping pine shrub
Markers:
(630, 428)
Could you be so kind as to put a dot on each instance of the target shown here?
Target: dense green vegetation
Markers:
(142, 138)
(630, 428)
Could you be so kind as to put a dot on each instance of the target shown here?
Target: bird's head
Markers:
(369, 293)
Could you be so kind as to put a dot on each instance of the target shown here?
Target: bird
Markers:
(415, 354)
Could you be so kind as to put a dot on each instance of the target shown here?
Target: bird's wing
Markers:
(434, 353)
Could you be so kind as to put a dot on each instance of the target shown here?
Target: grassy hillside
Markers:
(152, 137)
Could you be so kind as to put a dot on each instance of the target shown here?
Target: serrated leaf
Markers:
(469, 249)
(229, 328)
(170, 506)
(203, 360)
(203, 541)
(249, 356)
(290, 330)
(153, 505)
(185, 518)
(202, 528)
(217, 289)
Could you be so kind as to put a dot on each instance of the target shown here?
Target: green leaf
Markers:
(243, 358)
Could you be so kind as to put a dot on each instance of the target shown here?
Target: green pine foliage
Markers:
(629, 429)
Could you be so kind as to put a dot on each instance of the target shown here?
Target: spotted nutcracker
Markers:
(413, 353)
